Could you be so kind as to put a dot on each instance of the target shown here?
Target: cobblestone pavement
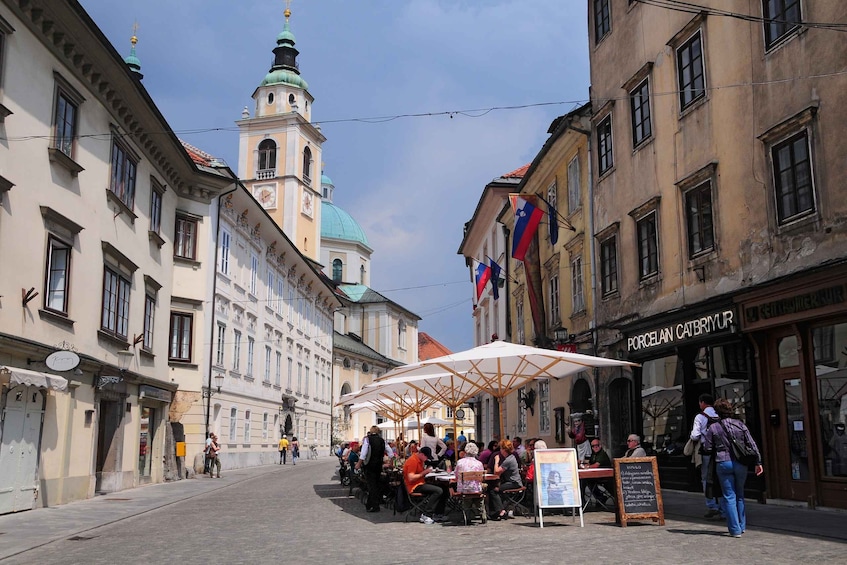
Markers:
(302, 515)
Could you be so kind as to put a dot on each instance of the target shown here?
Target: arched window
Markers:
(362, 274)
(401, 337)
(337, 266)
(307, 163)
(267, 155)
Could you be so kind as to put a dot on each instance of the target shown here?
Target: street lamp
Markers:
(219, 382)
(124, 359)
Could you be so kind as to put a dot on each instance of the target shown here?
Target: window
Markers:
(573, 185)
(648, 246)
(247, 416)
(267, 377)
(181, 336)
(337, 266)
(156, 208)
(544, 406)
(781, 18)
(115, 312)
(290, 373)
(602, 21)
(185, 245)
(401, 334)
(361, 274)
(521, 412)
(299, 377)
(149, 316)
(236, 350)
(280, 293)
(698, 211)
(223, 252)
(792, 171)
(278, 373)
(65, 122)
(265, 425)
(307, 164)
(519, 321)
(270, 289)
(267, 155)
(689, 63)
(251, 347)
(604, 144)
(609, 266)
(124, 167)
(219, 345)
(233, 419)
(290, 303)
(555, 317)
(639, 106)
(576, 282)
(254, 273)
(58, 275)
(306, 376)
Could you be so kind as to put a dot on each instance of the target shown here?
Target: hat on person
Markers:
(426, 450)
(414, 441)
(541, 444)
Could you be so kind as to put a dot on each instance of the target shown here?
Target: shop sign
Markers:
(796, 304)
(710, 324)
(153, 393)
(60, 361)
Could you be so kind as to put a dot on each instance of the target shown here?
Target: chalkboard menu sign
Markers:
(639, 493)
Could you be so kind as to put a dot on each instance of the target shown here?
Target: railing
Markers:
(265, 174)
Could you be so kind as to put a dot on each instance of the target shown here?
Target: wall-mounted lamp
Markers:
(124, 358)
(136, 339)
(701, 273)
(560, 334)
(219, 382)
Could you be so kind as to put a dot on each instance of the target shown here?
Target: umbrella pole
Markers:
(500, 408)
(455, 441)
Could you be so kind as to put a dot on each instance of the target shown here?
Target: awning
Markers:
(17, 376)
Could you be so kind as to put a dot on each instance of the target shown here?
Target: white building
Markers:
(105, 236)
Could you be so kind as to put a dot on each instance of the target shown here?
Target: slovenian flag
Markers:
(495, 277)
(483, 275)
(527, 218)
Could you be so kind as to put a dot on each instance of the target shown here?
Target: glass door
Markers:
(145, 443)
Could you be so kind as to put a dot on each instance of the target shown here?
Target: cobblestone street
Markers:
(301, 515)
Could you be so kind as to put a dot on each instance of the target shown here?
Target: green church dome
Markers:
(338, 224)
(284, 76)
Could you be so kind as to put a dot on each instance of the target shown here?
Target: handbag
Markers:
(743, 453)
(690, 447)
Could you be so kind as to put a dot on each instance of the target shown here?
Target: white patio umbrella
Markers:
(430, 420)
(396, 401)
(497, 368)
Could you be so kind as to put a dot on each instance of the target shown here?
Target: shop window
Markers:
(830, 344)
(661, 400)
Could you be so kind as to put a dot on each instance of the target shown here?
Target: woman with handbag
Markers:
(733, 450)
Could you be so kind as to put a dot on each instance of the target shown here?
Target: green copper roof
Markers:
(284, 76)
(286, 35)
(338, 224)
(326, 180)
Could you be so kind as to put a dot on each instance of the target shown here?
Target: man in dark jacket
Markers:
(373, 451)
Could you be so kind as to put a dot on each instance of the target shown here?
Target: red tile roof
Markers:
(198, 155)
(429, 348)
(517, 173)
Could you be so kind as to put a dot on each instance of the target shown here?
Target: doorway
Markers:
(108, 446)
(19, 448)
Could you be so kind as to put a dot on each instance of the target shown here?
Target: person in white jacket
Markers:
(701, 422)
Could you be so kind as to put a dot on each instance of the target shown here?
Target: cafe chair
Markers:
(470, 503)
(513, 500)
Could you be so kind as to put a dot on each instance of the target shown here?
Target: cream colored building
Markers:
(104, 235)
(719, 167)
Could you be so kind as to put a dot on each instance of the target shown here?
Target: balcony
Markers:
(265, 174)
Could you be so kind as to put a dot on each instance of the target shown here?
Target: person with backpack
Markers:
(729, 441)
(702, 421)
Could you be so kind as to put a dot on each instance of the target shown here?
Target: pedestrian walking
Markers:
(373, 452)
(706, 417)
(283, 450)
(731, 473)
(295, 450)
(207, 459)
(214, 459)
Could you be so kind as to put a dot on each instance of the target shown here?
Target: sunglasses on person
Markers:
(595, 445)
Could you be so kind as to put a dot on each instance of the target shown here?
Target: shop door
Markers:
(787, 429)
(19, 448)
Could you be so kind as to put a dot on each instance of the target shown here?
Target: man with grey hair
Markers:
(633, 445)
(373, 451)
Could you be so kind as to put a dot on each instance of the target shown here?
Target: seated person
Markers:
(507, 467)
(634, 449)
(600, 460)
(414, 475)
(469, 463)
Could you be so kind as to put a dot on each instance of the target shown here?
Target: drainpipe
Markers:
(236, 184)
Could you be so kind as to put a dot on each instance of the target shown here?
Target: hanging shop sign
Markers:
(700, 327)
(62, 361)
(152, 393)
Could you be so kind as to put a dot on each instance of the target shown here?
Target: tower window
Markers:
(291, 99)
(267, 155)
(307, 164)
(337, 266)
(270, 98)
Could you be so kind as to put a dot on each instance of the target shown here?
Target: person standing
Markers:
(295, 450)
(732, 474)
(702, 421)
(283, 450)
(207, 460)
(634, 449)
(214, 460)
(373, 451)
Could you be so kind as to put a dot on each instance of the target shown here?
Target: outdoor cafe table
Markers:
(592, 476)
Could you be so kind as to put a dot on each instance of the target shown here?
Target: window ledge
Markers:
(183, 364)
(692, 106)
(277, 387)
(577, 315)
(119, 341)
(643, 143)
(614, 295)
(801, 222)
(235, 374)
(122, 208)
(249, 378)
(147, 354)
(186, 261)
(155, 238)
(63, 160)
(266, 384)
(51, 316)
(702, 258)
(4, 113)
(651, 280)
(606, 174)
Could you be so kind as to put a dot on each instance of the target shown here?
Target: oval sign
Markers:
(62, 360)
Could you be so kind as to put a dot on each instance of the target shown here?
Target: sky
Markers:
(410, 182)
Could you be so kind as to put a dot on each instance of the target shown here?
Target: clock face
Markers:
(266, 195)
(307, 204)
